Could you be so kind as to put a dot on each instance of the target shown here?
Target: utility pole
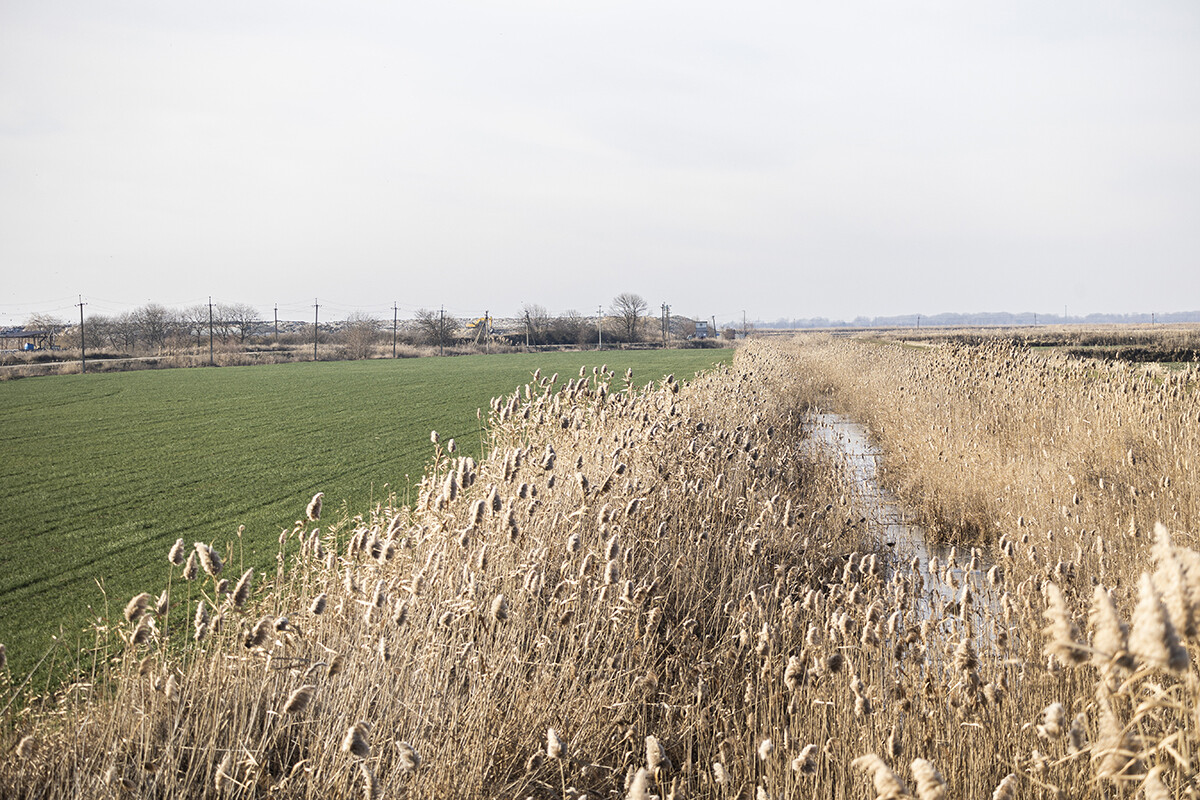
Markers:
(277, 323)
(668, 326)
(210, 331)
(395, 325)
(487, 339)
(527, 329)
(600, 328)
(918, 322)
(743, 323)
(82, 340)
(316, 322)
(441, 331)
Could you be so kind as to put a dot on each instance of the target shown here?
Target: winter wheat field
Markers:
(686, 589)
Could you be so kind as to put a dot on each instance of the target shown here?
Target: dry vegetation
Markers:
(993, 439)
(660, 591)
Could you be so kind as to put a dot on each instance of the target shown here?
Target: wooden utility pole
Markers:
(277, 323)
(441, 331)
(526, 329)
(743, 323)
(600, 328)
(395, 325)
(210, 332)
(487, 339)
(316, 322)
(82, 340)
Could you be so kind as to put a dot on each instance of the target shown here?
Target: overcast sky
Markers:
(789, 159)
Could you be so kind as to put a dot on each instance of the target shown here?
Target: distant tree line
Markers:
(155, 328)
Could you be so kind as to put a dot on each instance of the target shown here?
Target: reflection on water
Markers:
(850, 445)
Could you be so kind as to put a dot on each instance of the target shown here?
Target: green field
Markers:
(103, 472)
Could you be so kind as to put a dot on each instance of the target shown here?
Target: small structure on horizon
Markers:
(26, 339)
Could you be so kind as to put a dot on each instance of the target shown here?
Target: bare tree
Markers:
(123, 331)
(154, 323)
(223, 316)
(570, 328)
(436, 327)
(195, 320)
(537, 322)
(359, 335)
(97, 333)
(628, 308)
(241, 318)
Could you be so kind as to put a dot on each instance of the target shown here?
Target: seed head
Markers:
(241, 593)
(370, 784)
(1154, 640)
(317, 606)
(298, 700)
(806, 762)
(313, 512)
(258, 634)
(210, 561)
(1061, 633)
(639, 787)
(887, 784)
(190, 570)
(1007, 789)
(176, 554)
(26, 748)
(499, 610)
(930, 784)
(1110, 635)
(136, 607)
(1054, 716)
(407, 758)
(554, 744)
(355, 742)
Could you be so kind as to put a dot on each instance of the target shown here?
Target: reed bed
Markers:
(994, 439)
(637, 592)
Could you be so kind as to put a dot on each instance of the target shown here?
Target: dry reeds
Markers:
(677, 579)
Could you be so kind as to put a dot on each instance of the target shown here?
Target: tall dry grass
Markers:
(639, 591)
(994, 439)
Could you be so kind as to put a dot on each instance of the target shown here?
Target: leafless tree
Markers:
(435, 327)
(195, 320)
(570, 328)
(241, 318)
(123, 332)
(537, 322)
(628, 308)
(154, 324)
(97, 333)
(359, 335)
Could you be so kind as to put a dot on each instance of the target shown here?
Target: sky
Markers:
(789, 160)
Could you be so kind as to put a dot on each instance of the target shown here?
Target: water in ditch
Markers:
(850, 446)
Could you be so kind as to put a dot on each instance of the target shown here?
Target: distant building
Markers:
(701, 329)
(24, 339)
